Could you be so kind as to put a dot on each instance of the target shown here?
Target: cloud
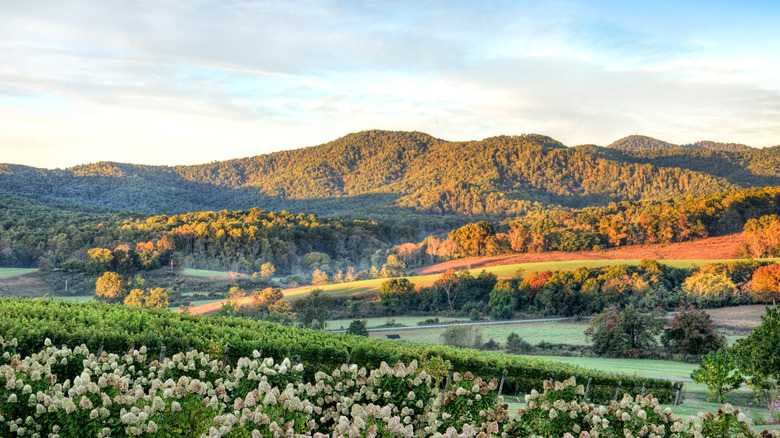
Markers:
(236, 78)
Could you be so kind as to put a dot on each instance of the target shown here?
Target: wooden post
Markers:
(643, 389)
(449, 378)
(678, 398)
(517, 388)
(225, 356)
(347, 361)
(617, 391)
(99, 352)
(501, 385)
(587, 389)
(162, 354)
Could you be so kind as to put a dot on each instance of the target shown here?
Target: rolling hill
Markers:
(411, 178)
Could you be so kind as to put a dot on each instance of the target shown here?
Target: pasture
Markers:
(556, 332)
(13, 272)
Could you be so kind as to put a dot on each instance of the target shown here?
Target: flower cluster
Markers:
(59, 393)
(557, 412)
(473, 401)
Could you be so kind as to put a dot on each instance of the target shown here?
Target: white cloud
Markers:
(185, 82)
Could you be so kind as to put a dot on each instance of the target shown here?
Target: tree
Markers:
(312, 310)
(156, 298)
(397, 294)
(232, 300)
(759, 353)
(394, 267)
(99, 260)
(709, 283)
(766, 284)
(135, 298)
(502, 300)
(319, 278)
(267, 270)
(718, 370)
(515, 344)
(447, 284)
(358, 328)
(476, 239)
(111, 287)
(625, 332)
(692, 332)
(281, 313)
(263, 299)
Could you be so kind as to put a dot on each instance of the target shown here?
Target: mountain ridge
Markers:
(409, 177)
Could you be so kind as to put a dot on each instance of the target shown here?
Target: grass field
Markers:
(12, 272)
(505, 271)
(207, 273)
(377, 322)
(556, 332)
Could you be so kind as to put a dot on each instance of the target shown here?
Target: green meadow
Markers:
(13, 272)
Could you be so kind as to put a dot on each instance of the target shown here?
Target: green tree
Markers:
(502, 300)
(692, 332)
(626, 332)
(111, 287)
(718, 370)
(312, 310)
(397, 295)
(516, 345)
(358, 328)
(759, 353)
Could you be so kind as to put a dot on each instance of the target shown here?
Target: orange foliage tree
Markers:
(766, 284)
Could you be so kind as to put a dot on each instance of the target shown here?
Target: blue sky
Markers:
(184, 82)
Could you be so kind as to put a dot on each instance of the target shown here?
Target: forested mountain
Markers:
(239, 240)
(412, 178)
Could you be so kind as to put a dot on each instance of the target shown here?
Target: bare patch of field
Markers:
(724, 247)
(740, 319)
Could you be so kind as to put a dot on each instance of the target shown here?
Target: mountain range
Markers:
(411, 178)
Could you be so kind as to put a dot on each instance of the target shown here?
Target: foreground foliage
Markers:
(118, 328)
(64, 392)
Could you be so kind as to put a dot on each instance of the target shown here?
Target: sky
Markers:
(186, 82)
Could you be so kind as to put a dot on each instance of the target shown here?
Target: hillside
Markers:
(410, 178)
(723, 247)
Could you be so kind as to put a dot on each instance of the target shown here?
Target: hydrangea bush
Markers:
(64, 392)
